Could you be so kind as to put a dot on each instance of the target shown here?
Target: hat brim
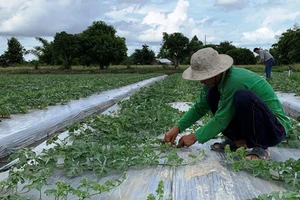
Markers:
(225, 62)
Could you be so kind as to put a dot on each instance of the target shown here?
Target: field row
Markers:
(106, 144)
(20, 93)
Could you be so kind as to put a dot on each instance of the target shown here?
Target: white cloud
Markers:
(11, 3)
(249, 22)
(226, 2)
(154, 18)
(146, 9)
(19, 17)
(132, 1)
(119, 15)
(160, 22)
(45, 18)
(123, 33)
(232, 4)
(278, 15)
(261, 34)
(180, 13)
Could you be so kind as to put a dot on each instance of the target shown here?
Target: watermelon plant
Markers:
(23, 92)
(105, 144)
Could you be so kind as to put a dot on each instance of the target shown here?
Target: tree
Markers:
(128, 62)
(242, 56)
(66, 47)
(143, 56)
(15, 51)
(4, 60)
(101, 46)
(224, 47)
(287, 49)
(163, 53)
(43, 53)
(176, 44)
(194, 45)
(214, 46)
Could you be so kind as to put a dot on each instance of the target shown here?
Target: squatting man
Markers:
(245, 107)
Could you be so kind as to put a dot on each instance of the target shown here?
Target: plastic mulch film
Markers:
(290, 103)
(210, 177)
(25, 129)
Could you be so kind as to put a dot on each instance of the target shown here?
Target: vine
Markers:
(106, 144)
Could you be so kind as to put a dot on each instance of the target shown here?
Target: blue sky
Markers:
(245, 23)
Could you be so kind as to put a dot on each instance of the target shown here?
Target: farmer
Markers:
(267, 58)
(246, 110)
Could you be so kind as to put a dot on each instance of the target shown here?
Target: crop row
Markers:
(104, 144)
(109, 144)
(20, 93)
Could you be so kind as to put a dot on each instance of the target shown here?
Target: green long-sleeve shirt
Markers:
(235, 79)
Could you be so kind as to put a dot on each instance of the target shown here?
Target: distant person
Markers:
(267, 58)
(245, 107)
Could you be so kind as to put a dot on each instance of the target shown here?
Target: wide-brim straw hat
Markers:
(207, 63)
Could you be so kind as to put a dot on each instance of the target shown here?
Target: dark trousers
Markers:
(253, 120)
(268, 67)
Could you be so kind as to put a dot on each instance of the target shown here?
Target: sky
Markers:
(245, 23)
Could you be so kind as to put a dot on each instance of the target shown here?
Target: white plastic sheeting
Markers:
(26, 129)
(209, 178)
(290, 103)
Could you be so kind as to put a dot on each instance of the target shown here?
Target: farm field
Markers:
(284, 83)
(117, 69)
(111, 144)
(20, 93)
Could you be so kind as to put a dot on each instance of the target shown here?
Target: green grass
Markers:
(24, 69)
(18, 69)
(282, 82)
(276, 68)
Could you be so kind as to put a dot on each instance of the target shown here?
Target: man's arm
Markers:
(197, 111)
(262, 56)
(189, 118)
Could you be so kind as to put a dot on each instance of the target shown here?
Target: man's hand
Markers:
(171, 135)
(187, 140)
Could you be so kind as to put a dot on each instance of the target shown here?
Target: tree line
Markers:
(99, 45)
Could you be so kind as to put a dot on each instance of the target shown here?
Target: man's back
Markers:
(264, 55)
(240, 78)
